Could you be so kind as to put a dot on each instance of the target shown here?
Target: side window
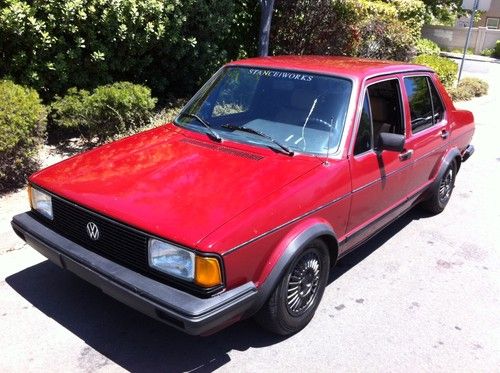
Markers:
(417, 89)
(364, 140)
(385, 104)
(437, 104)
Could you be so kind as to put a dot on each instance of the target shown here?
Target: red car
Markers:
(274, 170)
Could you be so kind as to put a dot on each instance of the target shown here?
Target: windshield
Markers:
(303, 112)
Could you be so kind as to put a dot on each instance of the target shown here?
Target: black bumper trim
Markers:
(181, 310)
(467, 152)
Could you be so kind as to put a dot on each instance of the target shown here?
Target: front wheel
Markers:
(296, 298)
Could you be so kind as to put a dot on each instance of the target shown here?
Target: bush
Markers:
(457, 94)
(296, 28)
(488, 52)
(497, 49)
(477, 86)
(426, 46)
(386, 39)
(22, 121)
(445, 68)
(469, 88)
(372, 29)
(410, 13)
(173, 45)
(108, 110)
(461, 51)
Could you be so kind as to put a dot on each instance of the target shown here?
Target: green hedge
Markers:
(107, 111)
(469, 88)
(445, 68)
(497, 49)
(170, 45)
(22, 123)
(371, 29)
(426, 46)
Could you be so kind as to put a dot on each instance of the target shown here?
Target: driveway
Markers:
(423, 295)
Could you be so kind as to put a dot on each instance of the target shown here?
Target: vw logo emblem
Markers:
(92, 231)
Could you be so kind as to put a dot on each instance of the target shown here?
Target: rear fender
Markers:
(453, 154)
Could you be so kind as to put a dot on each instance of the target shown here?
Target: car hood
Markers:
(172, 182)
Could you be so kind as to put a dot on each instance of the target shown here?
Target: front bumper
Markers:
(193, 315)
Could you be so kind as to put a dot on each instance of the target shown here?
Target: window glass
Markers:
(303, 111)
(385, 105)
(235, 93)
(492, 23)
(437, 104)
(364, 136)
(420, 102)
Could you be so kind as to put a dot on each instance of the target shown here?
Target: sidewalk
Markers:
(470, 57)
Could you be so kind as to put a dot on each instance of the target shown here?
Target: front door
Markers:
(379, 178)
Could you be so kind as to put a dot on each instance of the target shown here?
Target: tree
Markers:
(443, 10)
(266, 14)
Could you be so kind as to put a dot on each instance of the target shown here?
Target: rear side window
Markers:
(420, 102)
(426, 108)
(437, 104)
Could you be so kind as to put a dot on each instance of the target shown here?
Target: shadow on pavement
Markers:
(138, 343)
(365, 250)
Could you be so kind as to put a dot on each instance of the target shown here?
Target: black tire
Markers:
(296, 297)
(441, 192)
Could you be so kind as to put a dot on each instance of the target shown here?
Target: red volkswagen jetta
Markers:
(273, 171)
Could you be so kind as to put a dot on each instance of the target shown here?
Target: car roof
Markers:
(351, 67)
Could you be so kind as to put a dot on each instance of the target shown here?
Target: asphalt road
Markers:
(424, 295)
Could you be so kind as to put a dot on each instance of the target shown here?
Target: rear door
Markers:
(429, 130)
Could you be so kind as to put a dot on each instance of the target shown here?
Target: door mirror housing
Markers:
(391, 141)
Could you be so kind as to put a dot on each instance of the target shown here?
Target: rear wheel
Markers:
(296, 298)
(441, 192)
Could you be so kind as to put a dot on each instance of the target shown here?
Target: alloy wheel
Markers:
(446, 186)
(303, 284)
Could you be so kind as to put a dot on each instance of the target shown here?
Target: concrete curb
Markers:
(470, 57)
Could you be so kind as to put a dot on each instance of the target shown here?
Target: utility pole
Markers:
(471, 23)
(266, 14)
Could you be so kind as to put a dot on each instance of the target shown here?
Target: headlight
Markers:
(171, 259)
(41, 202)
(178, 262)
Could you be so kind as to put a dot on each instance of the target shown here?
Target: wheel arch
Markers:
(453, 155)
(291, 245)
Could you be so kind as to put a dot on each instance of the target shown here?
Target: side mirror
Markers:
(391, 141)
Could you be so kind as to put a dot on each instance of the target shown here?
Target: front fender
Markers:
(284, 253)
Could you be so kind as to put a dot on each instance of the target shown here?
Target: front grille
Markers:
(116, 242)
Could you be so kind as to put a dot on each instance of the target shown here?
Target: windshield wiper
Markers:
(214, 133)
(283, 148)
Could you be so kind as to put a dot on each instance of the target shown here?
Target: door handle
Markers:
(406, 155)
(444, 134)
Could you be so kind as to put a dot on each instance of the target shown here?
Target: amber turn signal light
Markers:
(207, 272)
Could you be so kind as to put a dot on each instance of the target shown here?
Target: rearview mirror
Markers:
(391, 141)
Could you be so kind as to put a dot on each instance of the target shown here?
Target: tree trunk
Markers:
(266, 14)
